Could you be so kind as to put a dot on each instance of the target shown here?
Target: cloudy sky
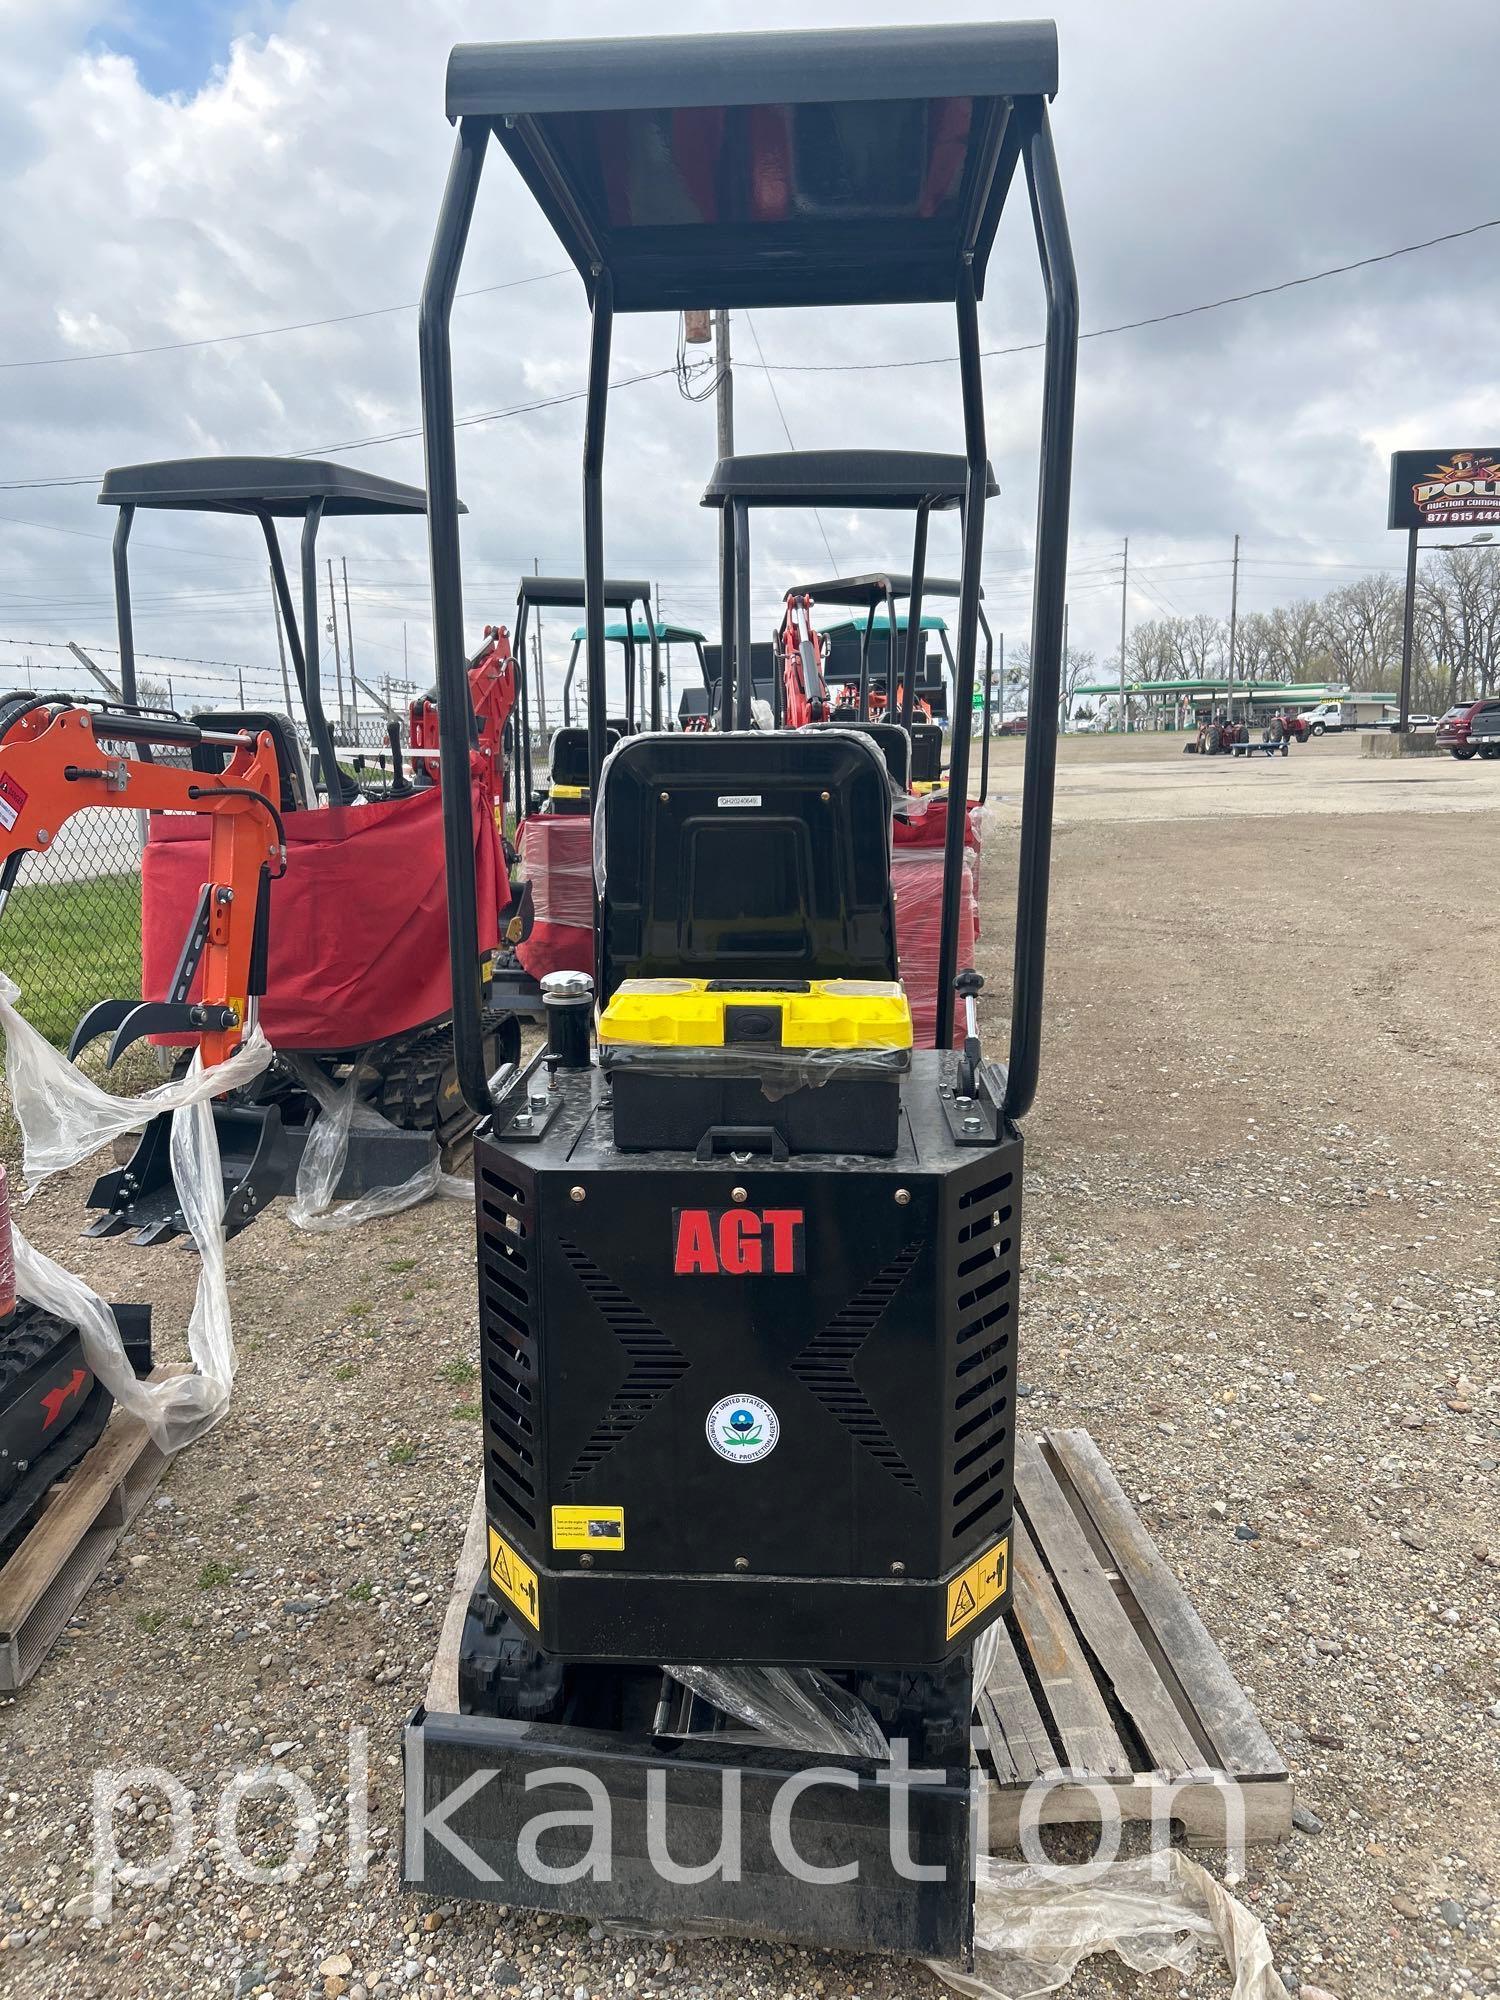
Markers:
(180, 170)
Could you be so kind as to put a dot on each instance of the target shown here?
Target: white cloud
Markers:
(1204, 151)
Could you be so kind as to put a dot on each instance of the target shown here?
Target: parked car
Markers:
(1352, 711)
(1453, 729)
(1013, 725)
(1484, 730)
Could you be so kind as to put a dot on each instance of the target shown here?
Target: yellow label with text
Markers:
(978, 1586)
(515, 1579)
(594, 1528)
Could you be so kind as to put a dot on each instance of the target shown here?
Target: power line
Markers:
(1155, 319)
(775, 398)
(385, 437)
(268, 332)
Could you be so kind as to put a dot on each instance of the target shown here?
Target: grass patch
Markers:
(214, 1576)
(362, 1591)
(403, 1453)
(466, 1412)
(401, 1265)
(345, 1372)
(68, 944)
(150, 1622)
(458, 1374)
(358, 1308)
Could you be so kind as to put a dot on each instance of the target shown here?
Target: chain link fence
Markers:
(71, 932)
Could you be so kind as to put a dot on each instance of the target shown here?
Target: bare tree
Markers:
(1362, 626)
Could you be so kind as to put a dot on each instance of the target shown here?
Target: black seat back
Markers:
(761, 857)
(292, 762)
(570, 754)
(926, 753)
(892, 742)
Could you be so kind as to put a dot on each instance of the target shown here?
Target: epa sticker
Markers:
(743, 1429)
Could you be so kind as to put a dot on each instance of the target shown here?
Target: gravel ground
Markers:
(1260, 1266)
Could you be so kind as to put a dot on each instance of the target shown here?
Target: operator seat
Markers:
(293, 764)
(748, 857)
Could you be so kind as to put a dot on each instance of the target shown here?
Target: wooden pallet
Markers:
(1106, 1673)
(76, 1531)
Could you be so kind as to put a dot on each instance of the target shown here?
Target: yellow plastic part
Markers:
(922, 786)
(684, 1014)
(570, 791)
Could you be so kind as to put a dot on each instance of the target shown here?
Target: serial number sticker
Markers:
(739, 798)
(14, 796)
(588, 1527)
(978, 1586)
(514, 1578)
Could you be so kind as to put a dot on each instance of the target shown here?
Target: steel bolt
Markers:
(665, 796)
(576, 1194)
(825, 796)
(903, 1196)
(738, 1194)
(42, 836)
(742, 1562)
(898, 1569)
(585, 1562)
(522, 1120)
(973, 1124)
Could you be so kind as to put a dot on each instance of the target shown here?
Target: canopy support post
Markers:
(312, 690)
(440, 457)
(744, 672)
(914, 648)
(1055, 252)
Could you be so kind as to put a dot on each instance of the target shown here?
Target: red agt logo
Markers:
(54, 1399)
(736, 1242)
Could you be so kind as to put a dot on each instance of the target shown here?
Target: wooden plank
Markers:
(1116, 1645)
(442, 1685)
(85, 1496)
(1222, 1706)
(1089, 1737)
(1208, 1813)
(1012, 1722)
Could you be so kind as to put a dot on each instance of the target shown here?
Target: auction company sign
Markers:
(1445, 489)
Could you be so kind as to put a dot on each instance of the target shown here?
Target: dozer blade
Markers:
(258, 1156)
(101, 1019)
(167, 1017)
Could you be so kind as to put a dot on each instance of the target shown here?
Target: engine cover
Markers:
(747, 1408)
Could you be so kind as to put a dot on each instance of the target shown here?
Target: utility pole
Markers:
(1062, 703)
(1002, 678)
(725, 396)
(1234, 619)
(333, 623)
(1124, 600)
(349, 629)
(541, 680)
(657, 614)
(241, 672)
(286, 686)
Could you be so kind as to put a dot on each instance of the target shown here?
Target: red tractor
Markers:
(800, 653)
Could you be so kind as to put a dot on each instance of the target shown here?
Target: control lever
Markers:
(967, 986)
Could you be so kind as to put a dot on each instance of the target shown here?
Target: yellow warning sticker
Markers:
(516, 1580)
(978, 1586)
(594, 1528)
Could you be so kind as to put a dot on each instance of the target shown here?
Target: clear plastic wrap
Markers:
(778, 1071)
(1033, 1926)
(917, 881)
(798, 1706)
(313, 1206)
(554, 854)
(64, 1117)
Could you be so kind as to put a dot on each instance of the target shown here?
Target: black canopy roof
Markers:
(566, 592)
(890, 479)
(807, 168)
(875, 588)
(278, 486)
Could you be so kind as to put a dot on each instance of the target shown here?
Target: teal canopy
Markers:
(931, 622)
(641, 633)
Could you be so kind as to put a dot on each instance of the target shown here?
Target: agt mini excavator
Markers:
(747, 1257)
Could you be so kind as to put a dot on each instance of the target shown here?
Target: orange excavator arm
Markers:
(53, 764)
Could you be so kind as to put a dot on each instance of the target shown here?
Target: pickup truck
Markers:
(1483, 732)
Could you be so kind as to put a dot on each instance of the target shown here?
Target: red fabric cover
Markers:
(557, 857)
(917, 880)
(359, 921)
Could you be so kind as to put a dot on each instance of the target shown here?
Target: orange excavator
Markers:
(800, 653)
(59, 756)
